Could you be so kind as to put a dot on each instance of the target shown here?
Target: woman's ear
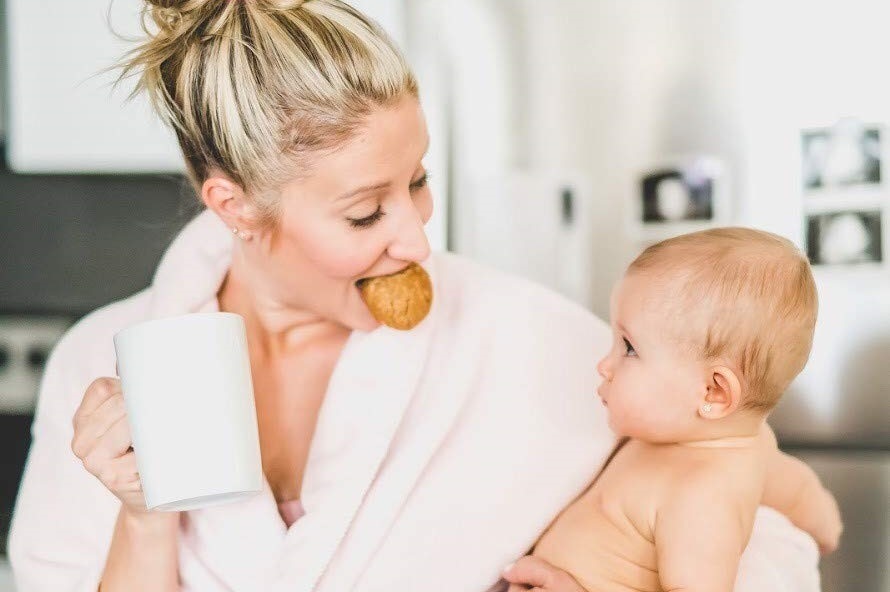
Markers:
(724, 393)
(227, 199)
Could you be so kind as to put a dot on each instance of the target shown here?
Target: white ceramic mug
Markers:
(189, 397)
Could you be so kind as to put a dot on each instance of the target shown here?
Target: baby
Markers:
(709, 330)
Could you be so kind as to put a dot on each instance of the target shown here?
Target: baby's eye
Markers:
(629, 348)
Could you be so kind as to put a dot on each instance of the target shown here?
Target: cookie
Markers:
(400, 300)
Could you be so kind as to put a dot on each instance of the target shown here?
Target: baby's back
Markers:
(606, 538)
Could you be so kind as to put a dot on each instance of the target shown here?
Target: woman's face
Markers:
(360, 212)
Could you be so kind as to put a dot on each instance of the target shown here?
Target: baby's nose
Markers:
(604, 369)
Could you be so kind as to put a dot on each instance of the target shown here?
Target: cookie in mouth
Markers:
(399, 300)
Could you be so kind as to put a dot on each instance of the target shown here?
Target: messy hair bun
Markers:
(256, 87)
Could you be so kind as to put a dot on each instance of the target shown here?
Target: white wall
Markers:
(606, 88)
(610, 87)
(808, 64)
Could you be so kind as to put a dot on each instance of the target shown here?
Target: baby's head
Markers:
(709, 330)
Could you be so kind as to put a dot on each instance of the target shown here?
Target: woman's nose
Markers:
(605, 369)
(410, 242)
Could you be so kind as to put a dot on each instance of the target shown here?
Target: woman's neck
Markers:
(273, 327)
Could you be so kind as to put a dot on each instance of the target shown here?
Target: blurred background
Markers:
(567, 135)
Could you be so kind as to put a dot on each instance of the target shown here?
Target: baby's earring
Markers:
(706, 408)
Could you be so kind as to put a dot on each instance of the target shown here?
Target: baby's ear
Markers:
(724, 394)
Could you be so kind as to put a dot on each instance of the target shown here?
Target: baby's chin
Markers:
(644, 433)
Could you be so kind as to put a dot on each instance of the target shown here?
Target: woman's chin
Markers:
(368, 326)
(361, 320)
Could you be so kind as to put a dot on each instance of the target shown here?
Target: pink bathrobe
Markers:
(439, 456)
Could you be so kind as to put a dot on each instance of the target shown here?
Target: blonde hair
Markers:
(757, 298)
(256, 87)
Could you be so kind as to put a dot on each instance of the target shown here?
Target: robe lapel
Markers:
(375, 380)
(369, 392)
(450, 377)
(241, 541)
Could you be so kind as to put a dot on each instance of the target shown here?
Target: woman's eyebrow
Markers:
(363, 189)
(378, 186)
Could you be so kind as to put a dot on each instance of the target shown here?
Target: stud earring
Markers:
(242, 234)
(706, 408)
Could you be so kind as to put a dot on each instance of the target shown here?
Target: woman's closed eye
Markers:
(629, 348)
(367, 220)
(375, 217)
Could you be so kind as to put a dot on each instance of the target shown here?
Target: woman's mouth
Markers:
(400, 299)
(362, 281)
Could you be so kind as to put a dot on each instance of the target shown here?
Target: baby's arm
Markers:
(793, 489)
(700, 533)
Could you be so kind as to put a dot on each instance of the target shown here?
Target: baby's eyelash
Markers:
(628, 347)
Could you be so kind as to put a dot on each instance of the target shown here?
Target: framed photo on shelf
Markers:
(845, 238)
(845, 197)
(678, 195)
(848, 154)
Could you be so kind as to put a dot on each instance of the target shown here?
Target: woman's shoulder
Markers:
(85, 352)
(88, 343)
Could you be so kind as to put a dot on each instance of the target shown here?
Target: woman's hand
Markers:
(102, 442)
(533, 573)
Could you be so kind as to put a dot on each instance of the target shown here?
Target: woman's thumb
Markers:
(530, 571)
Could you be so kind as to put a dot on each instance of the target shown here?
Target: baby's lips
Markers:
(400, 300)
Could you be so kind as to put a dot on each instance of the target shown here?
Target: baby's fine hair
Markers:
(740, 294)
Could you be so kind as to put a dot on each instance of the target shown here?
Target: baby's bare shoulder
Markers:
(706, 472)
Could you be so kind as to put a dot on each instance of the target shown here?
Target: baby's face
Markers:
(651, 386)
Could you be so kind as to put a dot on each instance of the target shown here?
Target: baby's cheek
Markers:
(626, 416)
(637, 417)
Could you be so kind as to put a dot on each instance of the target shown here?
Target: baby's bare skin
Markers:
(709, 329)
(606, 538)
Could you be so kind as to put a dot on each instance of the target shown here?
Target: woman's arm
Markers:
(65, 518)
(143, 554)
(778, 557)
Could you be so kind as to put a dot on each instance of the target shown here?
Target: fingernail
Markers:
(508, 568)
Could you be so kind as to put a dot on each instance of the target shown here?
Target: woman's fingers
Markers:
(86, 430)
(530, 571)
(93, 426)
(97, 393)
(536, 573)
(112, 444)
(124, 473)
(116, 440)
(103, 442)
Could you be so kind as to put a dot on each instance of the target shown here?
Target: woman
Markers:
(437, 455)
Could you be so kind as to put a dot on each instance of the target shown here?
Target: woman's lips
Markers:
(361, 281)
